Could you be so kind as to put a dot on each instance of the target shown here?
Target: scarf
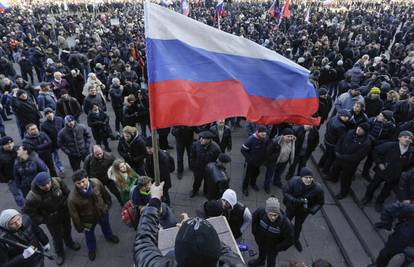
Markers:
(88, 193)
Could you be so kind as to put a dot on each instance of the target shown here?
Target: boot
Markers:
(60, 259)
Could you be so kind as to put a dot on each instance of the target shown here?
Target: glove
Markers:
(28, 252)
(383, 225)
(46, 247)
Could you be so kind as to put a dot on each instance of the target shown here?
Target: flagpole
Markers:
(154, 133)
(154, 136)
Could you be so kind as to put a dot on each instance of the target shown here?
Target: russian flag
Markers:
(185, 8)
(285, 10)
(274, 9)
(219, 10)
(198, 74)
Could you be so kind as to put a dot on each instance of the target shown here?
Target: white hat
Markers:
(6, 216)
(230, 196)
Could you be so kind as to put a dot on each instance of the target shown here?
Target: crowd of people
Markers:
(61, 62)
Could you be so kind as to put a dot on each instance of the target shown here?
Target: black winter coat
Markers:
(276, 236)
(335, 129)
(46, 206)
(389, 154)
(352, 148)
(201, 155)
(6, 164)
(147, 253)
(183, 134)
(373, 107)
(216, 179)
(99, 123)
(68, 107)
(91, 100)
(165, 161)
(403, 112)
(42, 144)
(74, 141)
(130, 115)
(52, 128)
(254, 150)
(98, 168)
(295, 190)
(225, 142)
(313, 140)
(133, 152)
(25, 171)
(117, 97)
(26, 111)
(29, 234)
(406, 186)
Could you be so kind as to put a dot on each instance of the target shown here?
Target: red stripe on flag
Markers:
(196, 103)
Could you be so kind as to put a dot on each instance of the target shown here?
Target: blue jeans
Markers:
(17, 194)
(56, 160)
(106, 230)
(273, 172)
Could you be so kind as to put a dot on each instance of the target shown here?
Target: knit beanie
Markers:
(272, 205)
(305, 171)
(230, 196)
(197, 244)
(6, 140)
(42, 179)
(375, 90)
(388, 114)
(69, 118)
(6, 216)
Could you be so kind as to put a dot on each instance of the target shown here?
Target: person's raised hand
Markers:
(157, 191)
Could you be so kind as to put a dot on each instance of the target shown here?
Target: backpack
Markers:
(130, 214)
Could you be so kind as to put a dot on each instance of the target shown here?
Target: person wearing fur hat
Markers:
(46, 203)
(272, 231)
(19, 228)
(217, 179)
(391, 159)
(89, 203)
(302, 196)
(74, 140)
(350, 150)
(196, 244)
